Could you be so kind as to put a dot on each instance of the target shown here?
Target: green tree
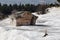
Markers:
(0, 7)
(58, 0)
(15, 6)
(19, 7)
(5, 9)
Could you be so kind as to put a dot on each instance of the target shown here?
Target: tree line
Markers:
(6, 9)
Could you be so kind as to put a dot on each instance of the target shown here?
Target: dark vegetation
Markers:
(5, 9)
(58, 0)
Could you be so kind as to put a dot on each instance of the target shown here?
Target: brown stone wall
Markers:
(25, 19)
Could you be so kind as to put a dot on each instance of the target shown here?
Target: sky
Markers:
(26, 1)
